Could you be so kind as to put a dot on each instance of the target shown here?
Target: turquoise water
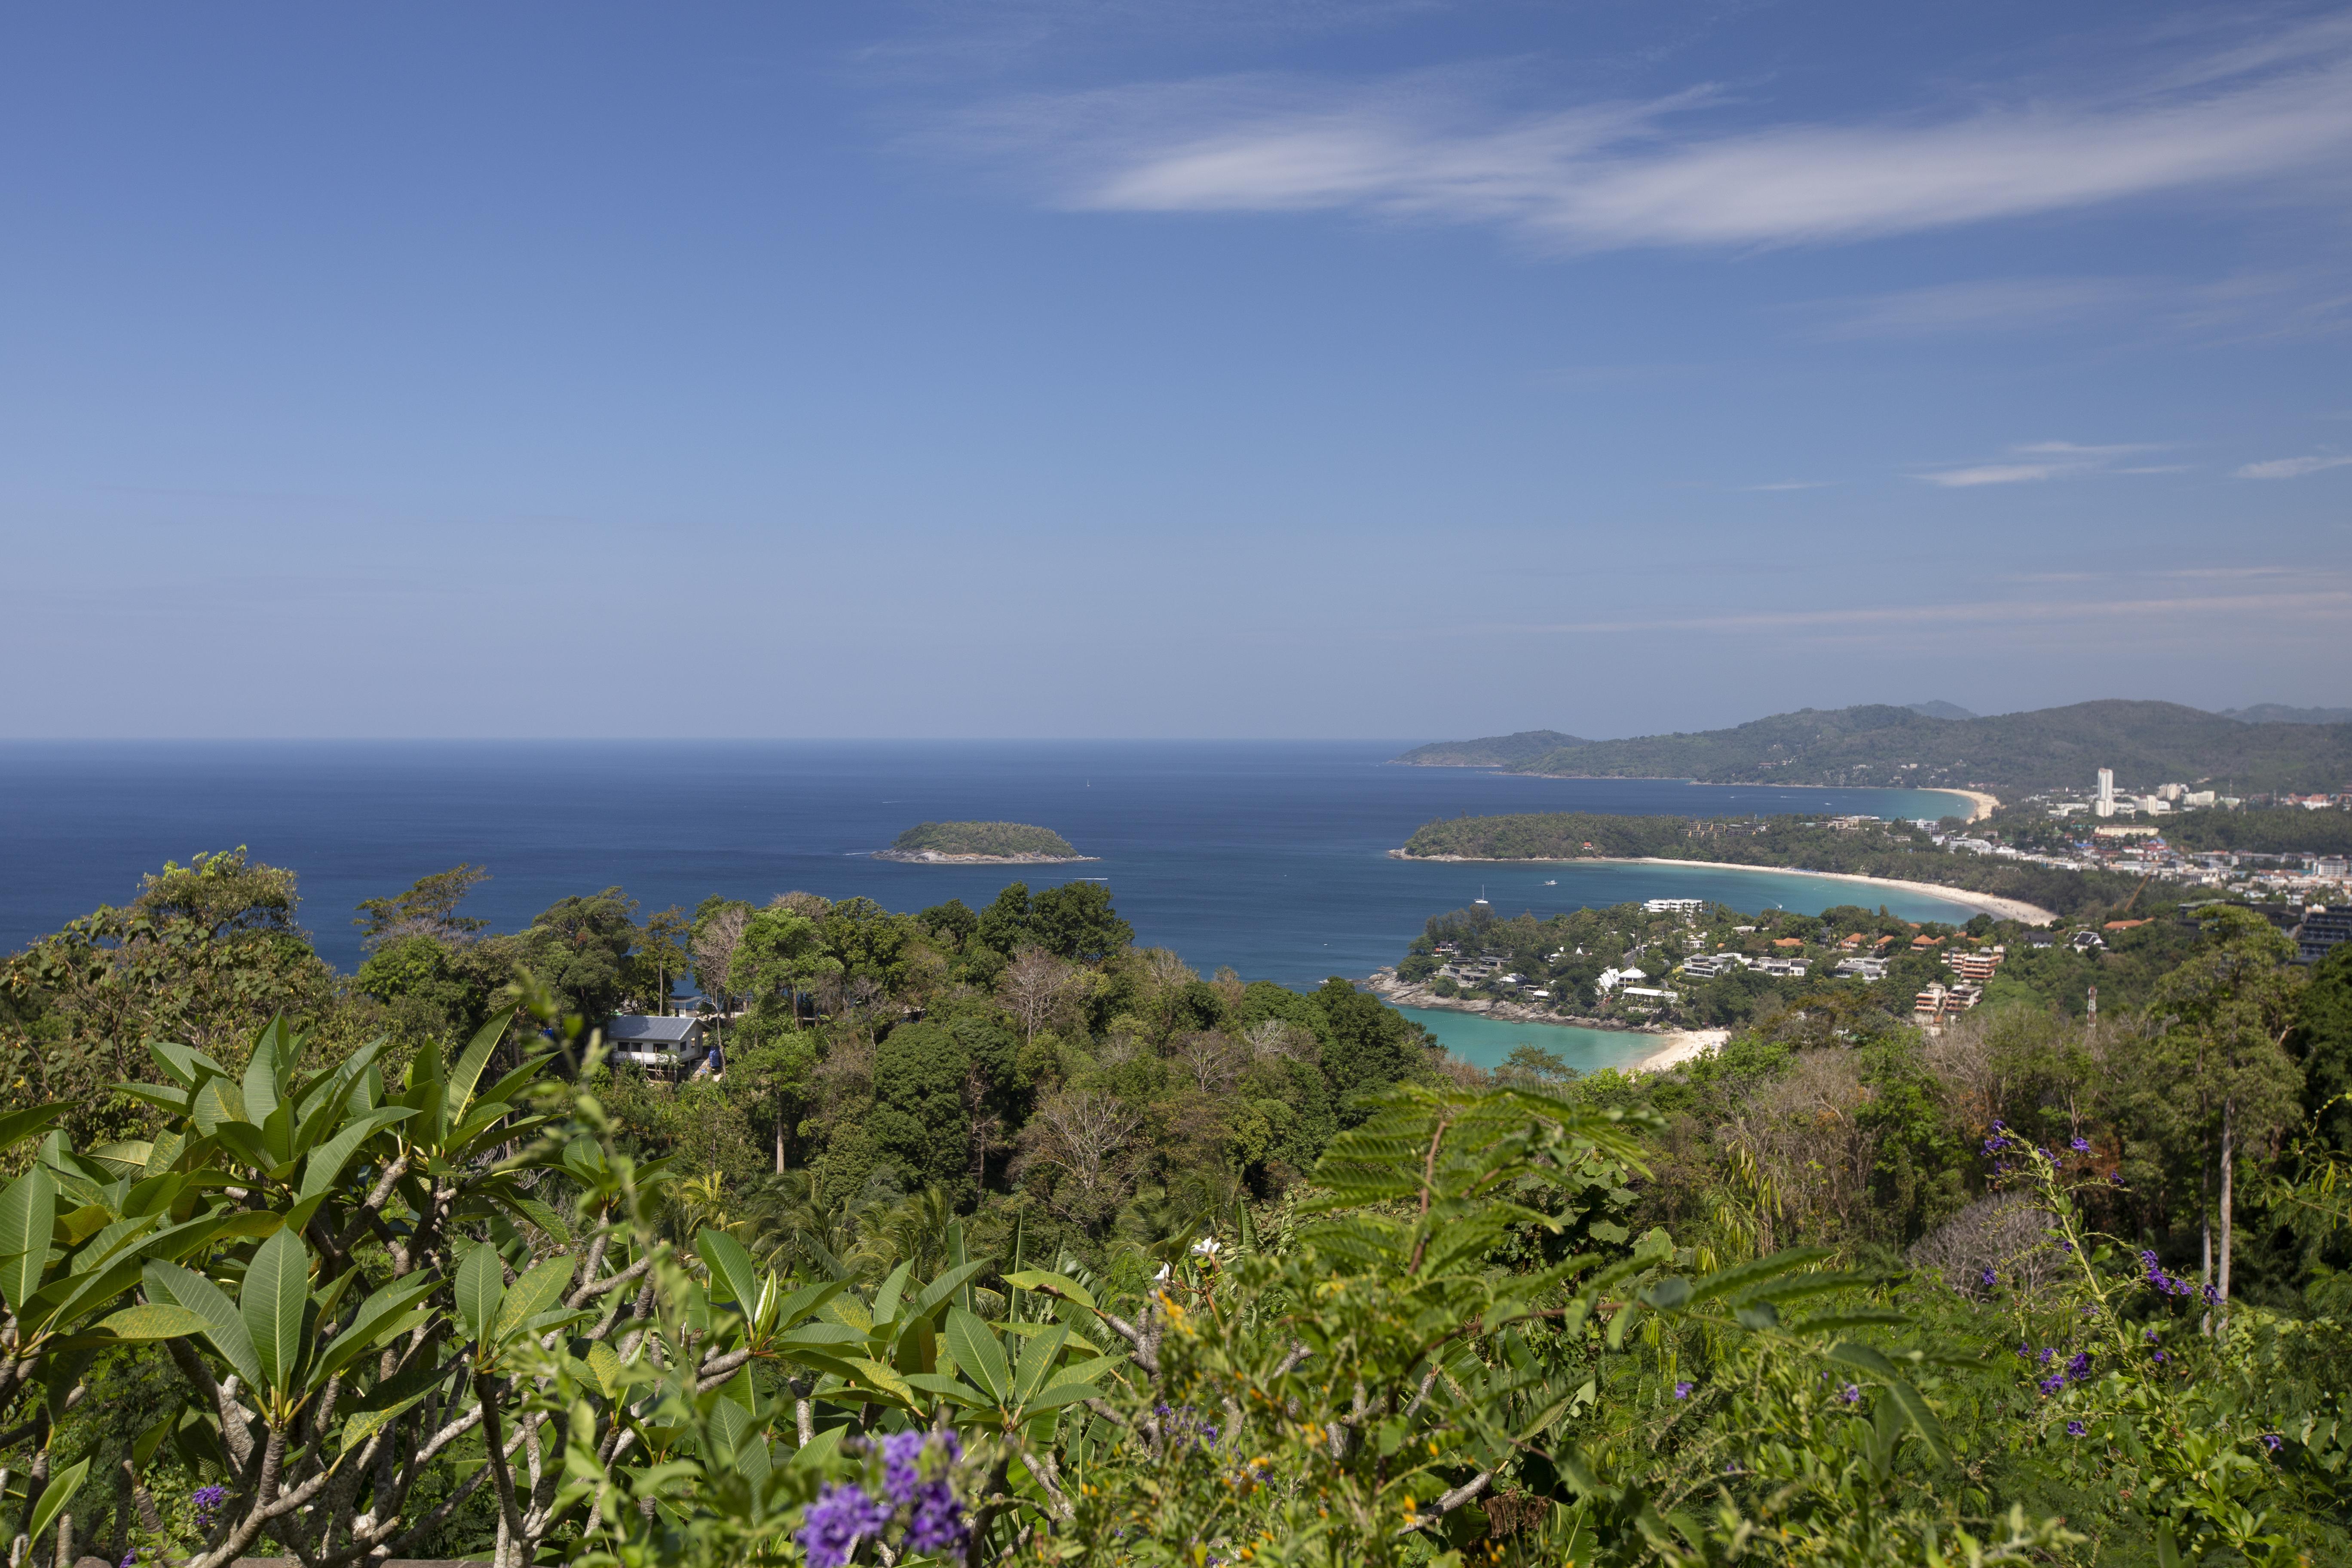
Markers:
(1487, 1042)
(1270, 857)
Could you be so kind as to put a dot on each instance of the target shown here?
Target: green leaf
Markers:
(19, 1125)
(886, 1300)
(954, 1390)
(222, 1325)
(1063, 1393)
(1907, 1398)
(260, 1082)
(1762, 1270)
(818, 1453)
(28, 1215)
(156, 1321)
(481, 1284)
(1036, 1361)
(949, 1283)
(54, 1498)
(531, 1295)
(733, 1273)
(1852, 1317)
(605, 1365)
(379, 1318)
(977, 1354)
(1052, 1284)
(327, 1160)
(217, 1104)
(540, 1215)
(1915, 1407)
(183, 1065)
(883, 1379)
(459, 1093)
(276, 1290)
(367, 1422)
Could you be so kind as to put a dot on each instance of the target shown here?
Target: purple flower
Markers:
(1998, 1125)
(2061, 1244)
(901, 1452)
(842, 1516)
(2043, 1359)
(1989, 1279)
(938, 1522)
(2079, 1369)
(1682, 1390)
(2272, 1440)
(132, 1561)
(2074, 1429)
(207, 1501)
(2212, 1295)
(2159, 1357)
(2081, 1145)
(2054, 1383)
(1851, 1395)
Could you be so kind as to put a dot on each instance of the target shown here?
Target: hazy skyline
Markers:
(1111, 370)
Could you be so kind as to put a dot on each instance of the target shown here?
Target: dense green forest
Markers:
(2147, 744)
(2261, 830)
(1801, 843)
(1000, 1240)
(1003, 838)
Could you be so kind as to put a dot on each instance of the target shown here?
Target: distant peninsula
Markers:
(1925, 747)
(1493, 752)
(981, 843)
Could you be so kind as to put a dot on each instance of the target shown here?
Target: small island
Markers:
(981, 843)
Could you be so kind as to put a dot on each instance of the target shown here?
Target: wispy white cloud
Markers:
(1994, 474)
(2292, 302)
(2290, 468)
(2051, 461)
(1609, 174)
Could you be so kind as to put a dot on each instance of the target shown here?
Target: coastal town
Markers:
(1671, 963)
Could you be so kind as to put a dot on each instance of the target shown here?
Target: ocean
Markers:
(1269, 856)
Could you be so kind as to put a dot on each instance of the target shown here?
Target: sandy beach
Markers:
(1983, 804)
(1991, 904)
(1679, 1046)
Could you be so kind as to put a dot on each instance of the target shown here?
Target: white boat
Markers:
(1551, 881)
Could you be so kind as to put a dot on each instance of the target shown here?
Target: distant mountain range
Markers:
(1887, 746)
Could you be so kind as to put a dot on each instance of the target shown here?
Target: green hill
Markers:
(2280, 713)
(2145, 743)
(991, 840)
(1493, 752)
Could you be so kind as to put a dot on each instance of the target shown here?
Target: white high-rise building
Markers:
(2106, 805)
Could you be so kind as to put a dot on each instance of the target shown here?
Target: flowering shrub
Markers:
(908, 1491)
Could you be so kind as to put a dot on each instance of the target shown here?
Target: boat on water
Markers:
(1551, 881)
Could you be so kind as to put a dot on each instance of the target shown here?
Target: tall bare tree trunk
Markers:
(780, 1137)
(2229, 1134)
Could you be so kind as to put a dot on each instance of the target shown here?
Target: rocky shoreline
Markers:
(1397, 992)
(940, 858)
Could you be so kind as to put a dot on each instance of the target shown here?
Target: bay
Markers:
(1269, 856)
(1488, 1042)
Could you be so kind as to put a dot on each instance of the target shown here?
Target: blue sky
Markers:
(1150, 369)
